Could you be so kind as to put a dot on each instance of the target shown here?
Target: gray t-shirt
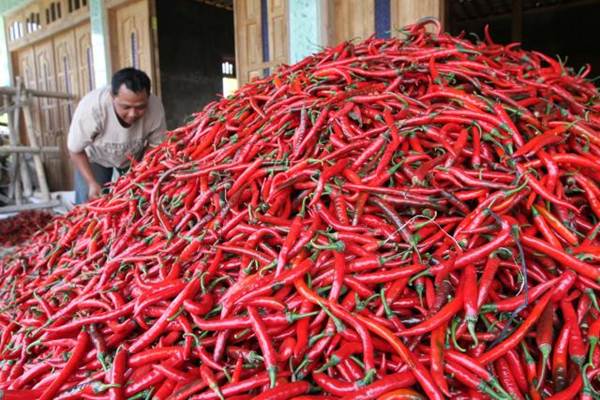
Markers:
(96, 129)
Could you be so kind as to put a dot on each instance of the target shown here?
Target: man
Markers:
(111, 124)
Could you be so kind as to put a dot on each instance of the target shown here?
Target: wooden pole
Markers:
(23, 171)
(38, 93)
(30, 206)
(37, 159)
(14, 188)
(26, 149)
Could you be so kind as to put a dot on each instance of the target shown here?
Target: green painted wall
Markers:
(307, 22)
(4, 63)
(100, 44)
(6, 5)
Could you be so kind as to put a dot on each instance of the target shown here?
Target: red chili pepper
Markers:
(83, 340)
(516, 337)
(543, 339)
(438, 338)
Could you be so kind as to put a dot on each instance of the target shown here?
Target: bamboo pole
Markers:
(27, 149)
(38, 93)
(37, 159)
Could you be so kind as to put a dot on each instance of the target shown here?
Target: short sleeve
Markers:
(84, 126)
(158, 131)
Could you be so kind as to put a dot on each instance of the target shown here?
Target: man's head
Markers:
(130, 90)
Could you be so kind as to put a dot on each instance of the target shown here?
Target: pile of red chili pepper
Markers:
(395, 219)
(18, 228)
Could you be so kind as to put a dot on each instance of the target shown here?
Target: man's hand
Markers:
(94, 191)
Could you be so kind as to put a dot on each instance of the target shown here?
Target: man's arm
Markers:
(82, 163)
(84, 127)
(157, 134)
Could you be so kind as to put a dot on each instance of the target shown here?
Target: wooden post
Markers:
(14, 188)
(37, 159)
(16, 124)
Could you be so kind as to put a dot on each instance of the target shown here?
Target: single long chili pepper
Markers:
(285, 391)
(516, 368)
(570, 392)
(507, 378)
(117, 374)
(355, 391)
(208, 377)
(231, 389)
(165, 390)
(421, 374)
(292, 236)
(347, 317)
(580, 267)
(560, 358)
(537, 187)
(445, 314)
(265, 343)
(438, 338)
(83, 340)
(593, 337)
(518, 334)
(559, 227)
(158, 326)
(153, 355)
(470, 380)
(401, 394)
(470, 299)
(543, 340)
(475, 367)
(542, 226)
(577, 349)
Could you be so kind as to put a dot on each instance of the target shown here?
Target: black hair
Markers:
(133, 79)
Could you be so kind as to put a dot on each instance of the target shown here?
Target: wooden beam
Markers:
(38, 93)
(29, 150)
(30, 206)
(47, 32)
(37, 160)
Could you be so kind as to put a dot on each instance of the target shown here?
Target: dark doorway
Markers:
(195, 40)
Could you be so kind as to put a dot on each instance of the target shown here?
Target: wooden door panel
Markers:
(406, 12)
(248, 41)
(278, 36)
(85, 59)
(67, 81)
(50, 128)
(130, 22)
(25, 68)
(353, 19)
(46, 80)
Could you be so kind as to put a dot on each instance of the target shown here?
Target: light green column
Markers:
(5, 67)
(307, 27)
(100, 42)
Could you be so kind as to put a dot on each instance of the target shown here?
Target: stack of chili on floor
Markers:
(18, 228)
(394, 219)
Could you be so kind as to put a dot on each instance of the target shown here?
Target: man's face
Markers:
(130, 106)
